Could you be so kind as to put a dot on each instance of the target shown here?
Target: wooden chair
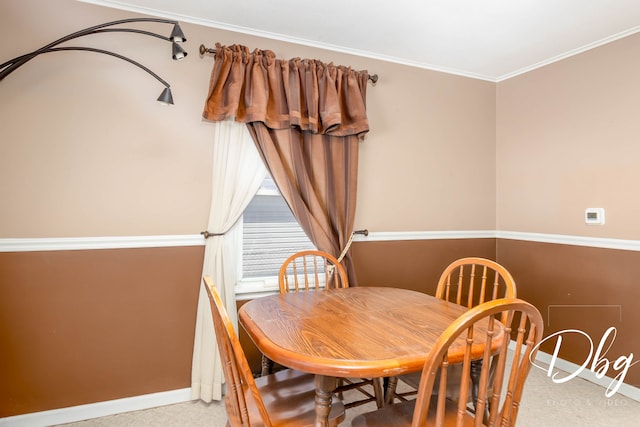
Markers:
(314, 270)
(284, 398)
(472, 281)
(305, 271)
(311, 270)
(467, 281)
(498, 396)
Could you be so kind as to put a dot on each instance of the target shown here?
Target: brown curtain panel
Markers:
(307, 119)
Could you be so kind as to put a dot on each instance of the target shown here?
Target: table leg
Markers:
(324, 391)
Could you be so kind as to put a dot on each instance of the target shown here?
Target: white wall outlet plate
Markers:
(594, 216)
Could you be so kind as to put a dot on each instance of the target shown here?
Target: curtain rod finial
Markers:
(203, 49)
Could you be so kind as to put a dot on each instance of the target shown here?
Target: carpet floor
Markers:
(575, 403)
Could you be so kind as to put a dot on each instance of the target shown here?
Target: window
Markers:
(270, 235)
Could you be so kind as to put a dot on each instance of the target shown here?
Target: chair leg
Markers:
(339, 384)
(361, 385)
(476, 368)
(378, 392)
(267, 366)
(390, 393)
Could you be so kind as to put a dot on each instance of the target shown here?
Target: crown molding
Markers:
(569, 54)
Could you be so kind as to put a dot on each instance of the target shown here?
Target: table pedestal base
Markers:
(324, 391)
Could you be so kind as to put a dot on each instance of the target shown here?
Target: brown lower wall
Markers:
(79, 327)
(413, 264)
(584, 288)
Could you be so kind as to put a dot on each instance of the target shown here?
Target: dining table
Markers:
(354, 332)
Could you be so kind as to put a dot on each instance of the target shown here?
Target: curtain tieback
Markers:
(364, 232)
(206, 234)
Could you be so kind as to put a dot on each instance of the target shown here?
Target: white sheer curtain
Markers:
(237, 174)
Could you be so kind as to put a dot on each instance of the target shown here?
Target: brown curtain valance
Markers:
(301, 93)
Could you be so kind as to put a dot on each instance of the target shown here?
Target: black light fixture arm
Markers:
(131, 30)
(177, 36)
(8, 67)
(95, 29)
(91, 49)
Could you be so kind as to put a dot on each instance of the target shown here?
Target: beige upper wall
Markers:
(86, 150)
(429, 162)
(568, 138)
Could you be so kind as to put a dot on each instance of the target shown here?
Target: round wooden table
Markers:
(357, 332)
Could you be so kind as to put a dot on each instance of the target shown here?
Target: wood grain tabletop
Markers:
(351, 332)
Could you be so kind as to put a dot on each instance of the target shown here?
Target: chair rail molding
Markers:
(379, 236)
(124, 242)
(88, 243)
(562, 239)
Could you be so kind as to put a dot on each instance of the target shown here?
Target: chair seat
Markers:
(289, 398)
(412, 380)
(401, 414)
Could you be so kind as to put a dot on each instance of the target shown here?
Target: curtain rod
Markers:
(204, 49)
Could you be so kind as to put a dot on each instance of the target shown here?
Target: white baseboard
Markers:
(95, 410)
(570, 367)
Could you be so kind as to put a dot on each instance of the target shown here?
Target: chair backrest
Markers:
(472, 281)
(311, 270)
(237, 373)
(498, 397)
